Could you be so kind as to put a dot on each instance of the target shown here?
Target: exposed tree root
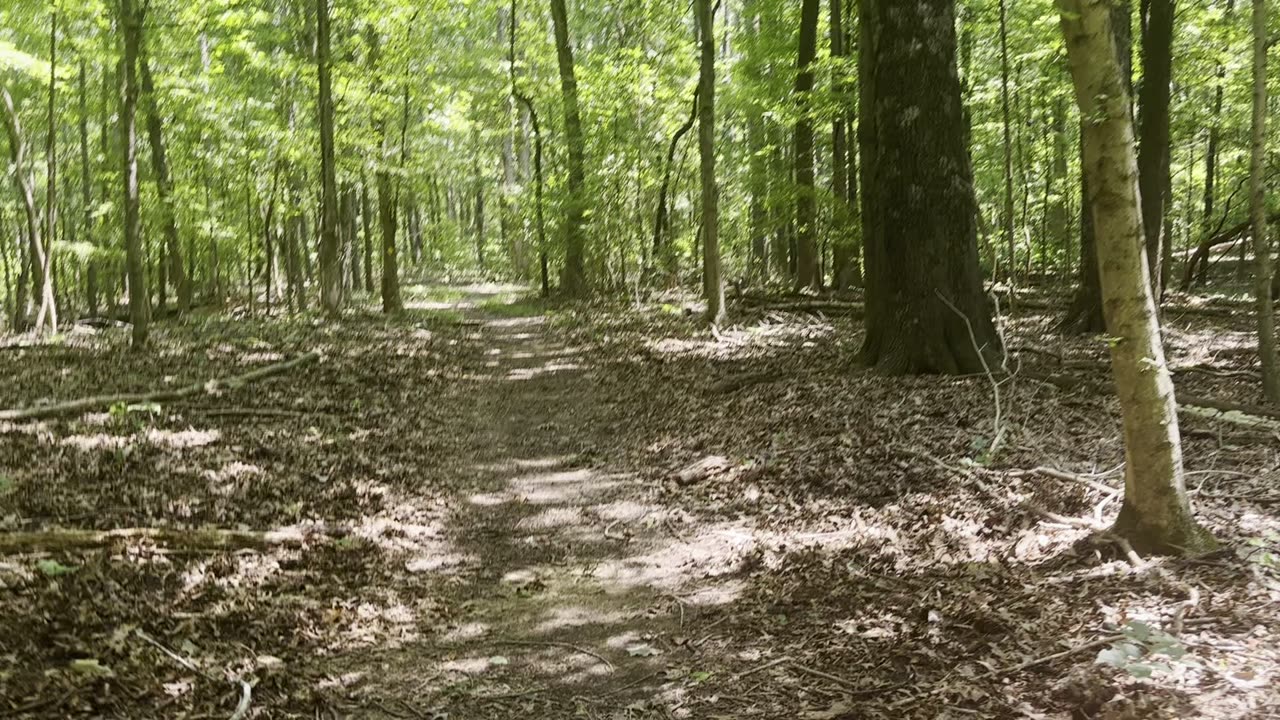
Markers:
(105, 401)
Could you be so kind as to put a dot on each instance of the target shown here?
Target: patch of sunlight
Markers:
(345, 680)
(100, 441)
(556, 517)
(515, 322)
(488, 499)
(437, 561)
(722, 593)
(252, 570)
(224, 478)
(364, 623)
(550, 368)
(624, 511)
(735, 342)
(469, 666)
(562, 487)
(541, 463)
(465, 632)
(562, 617)
(259, 358)
(182, 439)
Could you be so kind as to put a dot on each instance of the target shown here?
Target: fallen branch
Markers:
(1084, 647)
(106, 401)
(246, 690)
(65, 539)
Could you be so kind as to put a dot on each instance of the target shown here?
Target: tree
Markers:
(164, 185)
(844, 262)
(1085, 312)
(1007, 219)
(39, 257)
(1156, 515)
(1153, 138)
(712, 282)
(330, 260)
(925, 307)
(135, 263)
(574, 278)
(807, 272)
(1258, 209)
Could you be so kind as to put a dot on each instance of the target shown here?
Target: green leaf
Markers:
(53, 568)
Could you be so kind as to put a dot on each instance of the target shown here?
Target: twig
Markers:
(1130, 554)
(246, 690)
(998, 432)
(761, 668)
(566, 646)
(852, 687)
(1069, 477)
(1084, 647)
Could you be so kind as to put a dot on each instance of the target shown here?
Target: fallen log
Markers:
(105, 401)
(67, 539)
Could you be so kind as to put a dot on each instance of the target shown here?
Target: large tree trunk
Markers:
(1258, 209)
(925, 307)
(712, 282)
(807, 272)
(1153, 140)
(135, 263)
(330, 266)
(574, 279)
(1156, 515)
(164, 186)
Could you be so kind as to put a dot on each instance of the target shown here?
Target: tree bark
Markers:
(925, 306)
(1156, 515)
(807, 270)
(1153, 140)
(37, 265)
(1265, 312)
(574, 280)
(86, 189)
(330, 266)
(1006, 225)
(712, 282)
(1085, 313)
(164, 184)
(135, 263)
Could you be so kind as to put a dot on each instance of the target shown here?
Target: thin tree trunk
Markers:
(574, 280)
(164, 185)
(366, 223)
(807, 265)
(135, 263)
(1258, 209)
(1156, 515)
(330, 269)
(1006, 226)
(1153, 140)
(712, 282)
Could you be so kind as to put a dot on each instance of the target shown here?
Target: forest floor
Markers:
(496, 508)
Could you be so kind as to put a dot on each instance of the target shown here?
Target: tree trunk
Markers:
(1006, 225)
(574, 280)
(1153, 140)
(841, 273)
(37, 262)
(1258, 209)
(86, 197)
(807, 272)
(135, 263)
(712, 282)
(925, 307)
(164, 186)
(366, 225)
(330, 268)
(1085, 313)
(1156, 515)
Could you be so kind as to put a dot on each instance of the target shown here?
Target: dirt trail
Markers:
(567, 588)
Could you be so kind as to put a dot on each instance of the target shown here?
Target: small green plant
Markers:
(53, 568)
(1143, 651)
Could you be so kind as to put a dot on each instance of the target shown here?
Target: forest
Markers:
(639, 359)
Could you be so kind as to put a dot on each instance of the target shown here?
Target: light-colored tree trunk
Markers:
(712, 282)
(1156, 515)
(37, 264)
(1258, 209)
